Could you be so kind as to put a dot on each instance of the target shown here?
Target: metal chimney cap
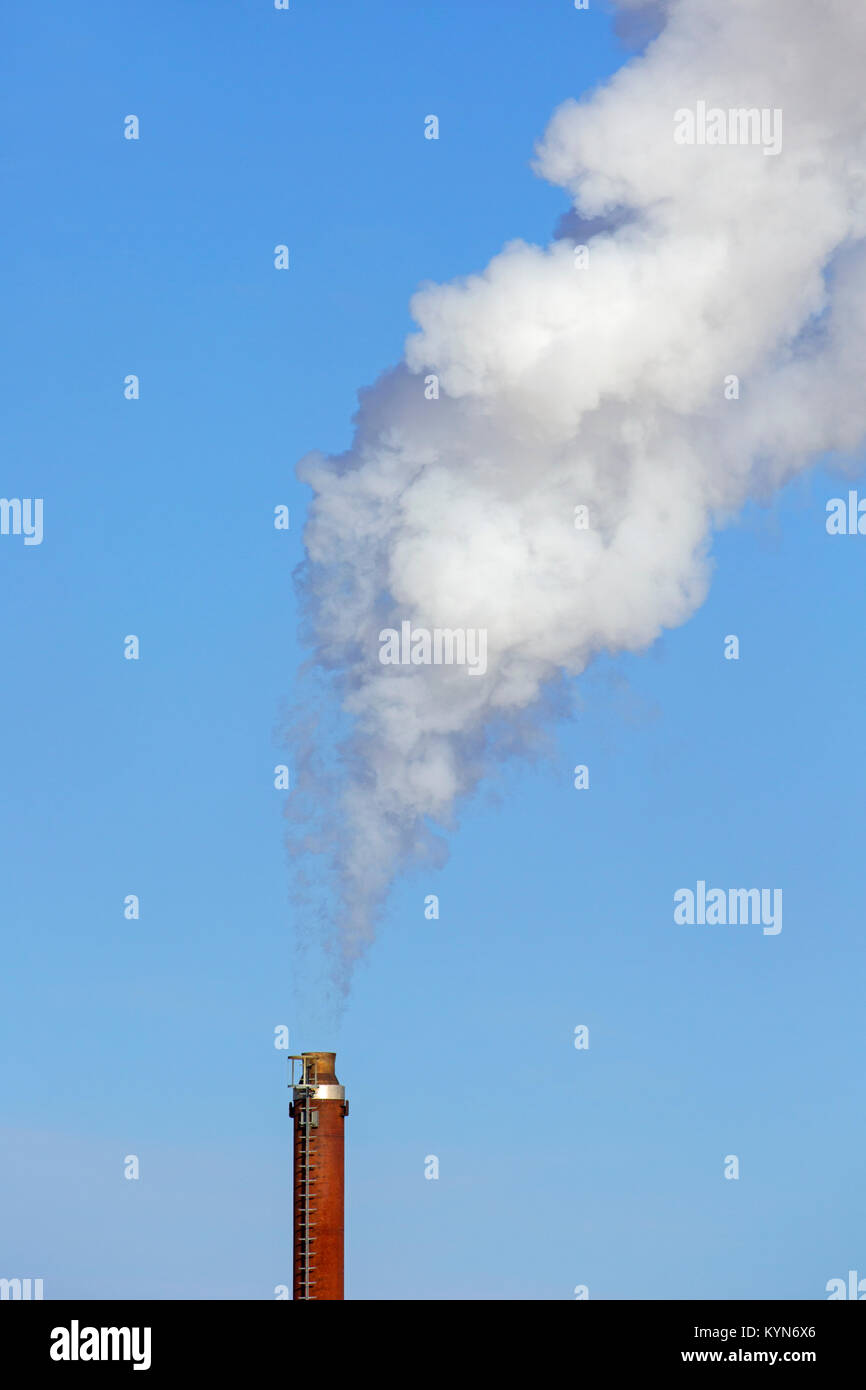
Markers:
(324, 1063)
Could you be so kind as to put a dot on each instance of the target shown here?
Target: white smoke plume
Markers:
(602, 387)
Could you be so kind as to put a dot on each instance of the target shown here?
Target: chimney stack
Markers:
(319, 1109)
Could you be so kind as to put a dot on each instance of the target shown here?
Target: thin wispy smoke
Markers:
(602, 387)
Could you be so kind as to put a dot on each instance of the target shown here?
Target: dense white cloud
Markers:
(601, 386)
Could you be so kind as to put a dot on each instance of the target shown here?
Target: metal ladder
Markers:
(308, 1120)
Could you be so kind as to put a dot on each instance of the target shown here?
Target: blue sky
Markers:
(558, 1167)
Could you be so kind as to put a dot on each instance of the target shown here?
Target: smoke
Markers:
(598, 386)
